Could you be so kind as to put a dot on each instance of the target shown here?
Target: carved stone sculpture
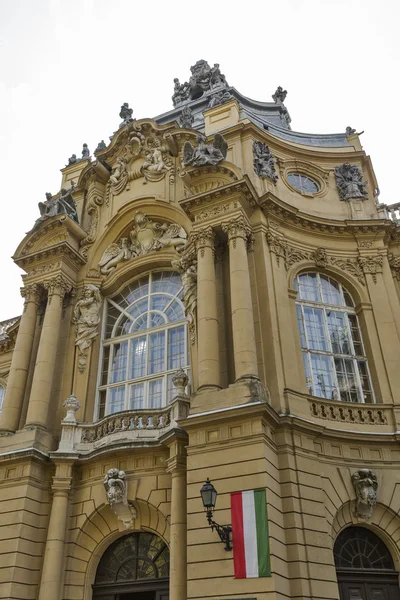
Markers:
(119, 176)
(125, 114)
(181, 92)
(216, 77)
(186, 119)
(188, 271)
(350, 130)
(101, 146)
(365, 485)
(350, 182)
(72, 405)
(117, 496)
(203, 79)
(146, 236)
(72, 159)
(219, 98)
(114, 254)
(180, 381)
(61, 204)
(264, 163)
(86, 319)
(280, 95)
(154, 167)
(85, 152)
(205, 154)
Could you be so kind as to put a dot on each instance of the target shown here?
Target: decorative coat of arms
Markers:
(365, 485)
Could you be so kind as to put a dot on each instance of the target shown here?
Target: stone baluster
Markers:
(244, 345)
(53, 561)
(207, 314)
(42, 383)
(20, 362)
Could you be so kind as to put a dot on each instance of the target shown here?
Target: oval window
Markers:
(302, 183)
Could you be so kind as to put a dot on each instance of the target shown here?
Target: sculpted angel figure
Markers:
(114, 254)
(350, 182)
(115, 486)
(87, 317)
(147, 235)
(119, 176)
(154, 159)
(205, 154)
(63, 204)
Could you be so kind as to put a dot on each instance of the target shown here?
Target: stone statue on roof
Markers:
(203, 79)
(61, 204)
(126, 115)
(280, 95)
(85, 152)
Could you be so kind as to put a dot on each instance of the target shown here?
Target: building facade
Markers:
(210, 295)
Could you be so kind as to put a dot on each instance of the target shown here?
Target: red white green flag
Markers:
(251, 557)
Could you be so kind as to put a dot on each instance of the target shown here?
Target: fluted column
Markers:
(207, 314)
(178, 525)
(39, 400)
(244, 344)
(20, 362)
(53, 561)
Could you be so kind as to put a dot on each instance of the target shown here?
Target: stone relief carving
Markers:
(365, 486)
(264, 163)
(119, 176)
(95, 200)
(219, 98)
(117, 496)
(126, 115)
(146, 236)
(280, 95)
(186, 119)
(203, 79)
(187, 267)
(154, 167)
(371, 265)
(350, 182)
(57, 205)
(86, 319)
(205, 154)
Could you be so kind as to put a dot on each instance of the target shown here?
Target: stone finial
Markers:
(365, 485)
(72, 405)
(180, 381)
(125, 114)
(280, 95)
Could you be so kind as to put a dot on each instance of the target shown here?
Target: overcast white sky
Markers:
(66, 66)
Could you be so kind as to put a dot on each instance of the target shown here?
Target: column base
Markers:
(4, 432)
(208, 388)
(246, 378)
(32, 426)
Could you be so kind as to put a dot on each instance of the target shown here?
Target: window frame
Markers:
(111, 342)
(308, 350)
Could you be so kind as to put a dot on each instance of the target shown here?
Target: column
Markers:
(20, 362)
(244, 344)
(53, 561)
(178, 524)
(46, 357)
(207, 314)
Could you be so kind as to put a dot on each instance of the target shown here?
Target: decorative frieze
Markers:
(86, 319)
(205, 154)
(342, 413)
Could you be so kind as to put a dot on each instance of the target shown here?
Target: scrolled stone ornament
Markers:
(350, 182)
(365, 485)
(119, 176)
(205, 154)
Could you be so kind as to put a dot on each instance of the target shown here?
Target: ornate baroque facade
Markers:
(210, 295)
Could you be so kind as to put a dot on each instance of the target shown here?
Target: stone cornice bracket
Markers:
(238, 228)
(204, 238)
(371, 265)
(58, 286)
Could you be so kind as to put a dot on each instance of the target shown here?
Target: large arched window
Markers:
(144, 343)
(333, 353)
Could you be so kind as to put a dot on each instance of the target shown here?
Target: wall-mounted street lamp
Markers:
(209, 497)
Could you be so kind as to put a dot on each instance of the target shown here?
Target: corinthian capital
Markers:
(238, 228)
(204, 238)
(58, 286)
(30, 292)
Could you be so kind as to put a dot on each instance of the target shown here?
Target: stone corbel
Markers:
(117, 496)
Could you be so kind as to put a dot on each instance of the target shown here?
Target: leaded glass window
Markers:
(302, 183)
(334, 359)
(360, 548)
(145, 342)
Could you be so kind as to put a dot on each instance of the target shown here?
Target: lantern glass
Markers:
(208, 495)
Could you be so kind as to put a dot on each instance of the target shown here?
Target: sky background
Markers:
(66, 66)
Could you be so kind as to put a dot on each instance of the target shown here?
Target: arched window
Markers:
(333, 353)
(359, 548)
(144, 343)
(2, 394)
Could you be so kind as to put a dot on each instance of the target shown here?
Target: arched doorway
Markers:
(134, 567)
(364, 566)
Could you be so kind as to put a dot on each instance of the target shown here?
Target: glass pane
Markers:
(155, 393)
(156, 319)
(141, 323)
(166, 281)
(159, 302)
(112, 315)
(323, 377)
(308, 287)
(347, 298)
(137, 367)
(176, 348)
(138, 289)
(156, 352)
(118, 369)
(136, 396)
(123, 326)
(338, 332)
(106, 358)
(139, 308)
(314, 323)
(171, 389)
(355, 334)
(116, 397)
(346, 380)
(175, 312)
(330, 291)
(306, 363)
(301, 327)
(302, 183)
(102, 403)
(365, 381)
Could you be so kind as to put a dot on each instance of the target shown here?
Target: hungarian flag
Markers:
(250, 534)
